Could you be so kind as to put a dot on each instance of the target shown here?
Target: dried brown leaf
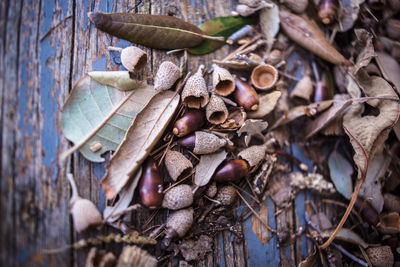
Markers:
(390, 69)
(390, 223)
(135, 256)
(346, 235)
(267, 104)
(207, 166)
(364, 39)
(252, 128)
(258, 227)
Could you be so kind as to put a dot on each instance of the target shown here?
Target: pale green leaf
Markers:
(341, 171)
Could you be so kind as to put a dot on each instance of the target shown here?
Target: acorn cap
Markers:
(178, 197)
(133, 58)
(303, 89)
(177, 164)
(253, 155)
(84, 214)
(216, 111)
(380, 256)
(207, 143)
(180, 221)
(195, 94)
(168, 73)
(264, 77)
(226, 195)
(223, 82)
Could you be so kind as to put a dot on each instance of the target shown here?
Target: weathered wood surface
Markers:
(45, 47)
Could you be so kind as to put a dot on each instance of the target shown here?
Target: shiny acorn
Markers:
(245, 95)
(202, 142)
(191, 121)
(327, 11)
(151, 185)
(231, 171)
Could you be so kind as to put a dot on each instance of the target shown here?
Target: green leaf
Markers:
(154, 31)
(220, 26)
(99, 114)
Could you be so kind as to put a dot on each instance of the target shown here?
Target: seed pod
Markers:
(250, 3)
(177, 164)
(168, 73)
(195, 94)
(226, 195)
(223, 82)
(178, 197)
(368, 212)
(202, 142)
(150, 185)
(179, 223)
(133, 58)
(211, 190)
(321, 92)
(253, 155)
(393, 28)
(327, 11)
(380, 256)
(191, 121)
(216, 111)
(303, 89)
(264, 77)
(84, 212)
(298, 6)
(245, 95)
(231, 171)
(274, 57)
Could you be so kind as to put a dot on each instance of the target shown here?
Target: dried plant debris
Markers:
(135, 256)
(253, 128)
(196, 249)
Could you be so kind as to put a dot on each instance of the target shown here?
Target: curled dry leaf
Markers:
(364, 38)
(341, 170)
(252, 128)
(207, 166)
(346, 235)
(258, 227)
(139, 140)
(390, 223)
(390, 69)
(269, 22)
(267, 104)
(118, 79)
(99, 113)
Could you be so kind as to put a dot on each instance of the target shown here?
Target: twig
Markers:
(351, 256)
(128, 209)
(179, 182)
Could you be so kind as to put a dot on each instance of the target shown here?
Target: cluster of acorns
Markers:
(200, 106)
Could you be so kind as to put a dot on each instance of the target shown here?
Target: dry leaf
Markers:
(139, 140)
(346, 235)
(135, 256)
(207, 166)
(100, 258)
(267, 104)
(310, 261)
(118, 79)
(352, 87)
(258, 227)
(364, 38)
(348, 14)
(390, 223)
(390, 69)
(269, 23)
(196, 249)
(252, 128)
(313, 181)
(341, 170)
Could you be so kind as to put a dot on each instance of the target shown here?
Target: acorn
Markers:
(393, 28)
(179, 223)
(191, 121)
(202, 142)
(167, 74)
(251, 3)
(195, 94)
(245, 95)
(226, 195)
(216, 111)
(264, 76)
(253, 155)
(223, 82)
(327, 11)
(303, 89)
(133, 58)
(178, 197)
(231, 171)
(380, 256)
(211, 190)
(368, 212)
(84, 212)
(321, 92)
(151, 185)
(177, 164)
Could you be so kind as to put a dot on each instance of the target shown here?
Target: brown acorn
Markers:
(178, 197)
(226, 195)
(191, 121)
(179, 223)
(303, 89)
(216, 111)
(253, 155)
(264, 76)
(367, 211)
(177, 164)
(168, 73)
(202, 142)
(195, 93)
(133, 58)
(380, 256)
(321, 92)
(223, 82)
(327, 11)
(245, 95)
(231, 171)
(150, 185)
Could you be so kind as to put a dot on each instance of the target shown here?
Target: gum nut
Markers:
(253, 155)
(177, 164)
(216, 111)
(264, 77)
(180, 222)
(195, 93)
(178, 197)
(133, 58)
(168, 73)
(223, 82)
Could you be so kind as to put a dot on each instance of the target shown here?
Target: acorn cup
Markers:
(202, 142)
(264, 76)
(151, 185)
(231, 171)
(178, 225)
(191, 121)
(223, 82)
(177, 164)
(327, 11)
(167, 74)
(133, 59)
(195, 94)
(226, 195)
(245, 95)
(216, 111)
(178, 197)
(303, 89)
(253, 155)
